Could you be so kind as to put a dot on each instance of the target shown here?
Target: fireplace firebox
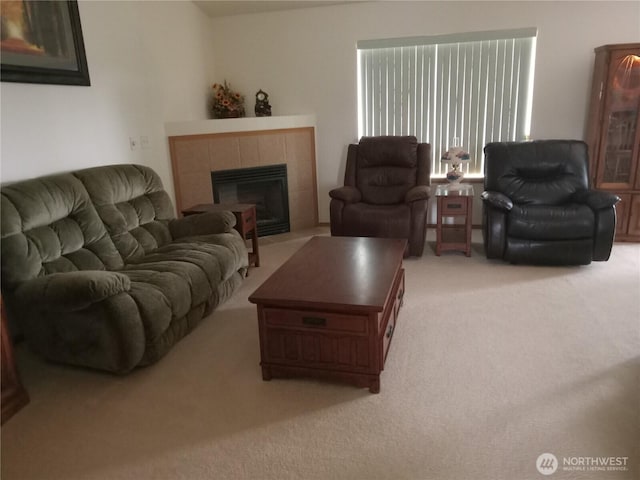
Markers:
(266, 187)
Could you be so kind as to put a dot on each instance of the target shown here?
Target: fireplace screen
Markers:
(266, 187)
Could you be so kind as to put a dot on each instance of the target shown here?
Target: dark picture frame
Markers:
(42, 42)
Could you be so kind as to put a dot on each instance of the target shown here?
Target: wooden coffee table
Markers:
(330, 311)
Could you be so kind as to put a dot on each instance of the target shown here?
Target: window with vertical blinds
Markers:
(474, 87)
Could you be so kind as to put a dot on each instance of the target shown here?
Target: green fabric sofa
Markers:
(98, 272)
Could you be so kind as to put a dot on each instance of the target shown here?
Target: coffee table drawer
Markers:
(300, 319)
(391, 315)
(394, 300)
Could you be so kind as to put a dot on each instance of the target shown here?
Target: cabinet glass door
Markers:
(620, 137)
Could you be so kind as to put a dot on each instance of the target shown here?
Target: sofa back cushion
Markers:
(132, 204)
(542, 172)
(387, 168)
(49, 225)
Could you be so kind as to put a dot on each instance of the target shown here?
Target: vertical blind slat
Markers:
(467, 107)
(526, 74)
(509, 86)
(484, 92)
(418, 86)
(364, 88)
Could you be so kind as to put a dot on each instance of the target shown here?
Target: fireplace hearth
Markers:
(266, 187)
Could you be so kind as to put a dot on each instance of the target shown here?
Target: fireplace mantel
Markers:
(246, 124)
(200, 147)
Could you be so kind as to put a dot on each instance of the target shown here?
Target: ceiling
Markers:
(215, 8)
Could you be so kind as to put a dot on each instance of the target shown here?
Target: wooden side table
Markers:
(454, 200)
(246, 222)
(14, 396)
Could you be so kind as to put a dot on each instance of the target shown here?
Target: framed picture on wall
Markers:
(41, 42)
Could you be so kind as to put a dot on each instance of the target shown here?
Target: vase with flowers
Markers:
(226, 103)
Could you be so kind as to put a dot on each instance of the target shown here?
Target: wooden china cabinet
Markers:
(613, 132)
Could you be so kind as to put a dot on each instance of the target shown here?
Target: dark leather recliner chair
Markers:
(385, 192)
(538, 208)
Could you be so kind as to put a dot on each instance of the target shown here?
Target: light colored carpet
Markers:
(491, 365)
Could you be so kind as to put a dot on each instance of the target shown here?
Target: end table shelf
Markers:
(456, 201)
(246, 222)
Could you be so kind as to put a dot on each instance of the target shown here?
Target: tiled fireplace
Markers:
(266, 187)
(200, 148)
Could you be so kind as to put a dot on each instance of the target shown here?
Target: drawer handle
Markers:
(401, 297)
(390, 331)
(315, 321)
(455, 205)
(248, 219)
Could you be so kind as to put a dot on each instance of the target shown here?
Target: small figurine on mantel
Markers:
(263, 109)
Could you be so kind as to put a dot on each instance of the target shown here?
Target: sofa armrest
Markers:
(86, 318)
(595, 199)
(202, 224)
(497, 200)
(419, 192)
(346, 194)
(71, 291)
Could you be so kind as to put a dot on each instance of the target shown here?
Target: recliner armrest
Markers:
(202, 224)
(596, 199)
(497, 200)
(70, 291)
(419, 192)
(346, 194)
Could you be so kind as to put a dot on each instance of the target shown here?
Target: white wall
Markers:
(306, 59)
(152, 62)
(149, 62)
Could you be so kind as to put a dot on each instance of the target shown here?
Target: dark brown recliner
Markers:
(385, 192)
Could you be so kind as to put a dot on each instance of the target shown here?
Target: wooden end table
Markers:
(246, 222)
(330, 311)
(454, 200)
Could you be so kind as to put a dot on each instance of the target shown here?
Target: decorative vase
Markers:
(228, 114)
(454, 175)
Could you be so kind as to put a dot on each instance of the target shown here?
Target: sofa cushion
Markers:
(229, 248)
(192, 272)
(545, 222)
(537, 173)
(162, 292)
(49, 225)
(172, 280)
(401, 151)
(132, 204)
(386, 168)
(218, 255)
(390, 221)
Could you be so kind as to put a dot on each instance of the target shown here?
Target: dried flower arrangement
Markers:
(226, 103)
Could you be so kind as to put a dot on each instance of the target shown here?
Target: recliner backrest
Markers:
(133, 205)
(49, 225)
(542, 172)
(386, 167)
